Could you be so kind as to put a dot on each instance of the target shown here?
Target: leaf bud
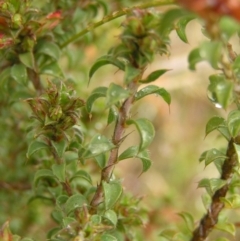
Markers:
(56, 113)
(135, 26)
(17, 21)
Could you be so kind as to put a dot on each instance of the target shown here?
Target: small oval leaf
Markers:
(99, 144)
(41, 174)
(214, 123)
(116, 93)
(82, 174)
(111, 216)
(75, 201)
(19, 73)
(59, 171)
(60, 147)
(187, 217)
(154, 75)
(52, 69)
(36, 146)
(226, 227)
(146, 131)
(112, 192)
(233, 122)
(130, 152)
(104, 60)
(146, 162)
(27, 59)
(97, 93)
(181, 27)
(153, 89)
(50, 49)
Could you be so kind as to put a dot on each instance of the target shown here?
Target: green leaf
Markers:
(212, 185)
(60, 147)
(101, 160)
(206, 199)
(214, 123)
(36, 146)
(153, 89)
(130, 152)
(133, 151)
(57, 216)
(19, 73)
(104, 60)
(146, 162)
(108, 237)
(154, 75)
(226, 227)
(222, 239)
(41, 174)
(212, 155)
(131, 73)
(50, 49)
(169, 18)
(59, 170)
(146, 131)
(225, 132)
(112, 115)
(116, 93)
(188, 220)
(97, 93)
(82, 174)
(27, 59)
(168, 234)
(52, 69)
(67, 221)
(75, 201)
(233, 122)
(228, 26)
(61, 200)
(96, 219)
(211, 51)
(112, 192)
(220, 91)
(193, 58)
(99, 144)
(231, 202)
(111, 216)
(181, 27)
(237, 149)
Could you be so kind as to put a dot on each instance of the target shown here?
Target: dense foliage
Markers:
(63, 136)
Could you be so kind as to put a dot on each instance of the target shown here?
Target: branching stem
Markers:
(211, 218)
(115, 15)
(117, 138)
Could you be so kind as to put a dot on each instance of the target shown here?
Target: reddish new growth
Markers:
(219, 7)
(5, 41)
(55, 17)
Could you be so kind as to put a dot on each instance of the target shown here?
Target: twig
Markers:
(115, 15)
(117, 138)
(211, 218)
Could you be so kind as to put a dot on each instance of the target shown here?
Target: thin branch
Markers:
(115, 15)
(211, 218)
(117, 138)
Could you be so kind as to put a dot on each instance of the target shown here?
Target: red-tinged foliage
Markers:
(55, 18)
(55, 15)
(217, 7)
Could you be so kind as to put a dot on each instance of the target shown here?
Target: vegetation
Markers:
(68, 121)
